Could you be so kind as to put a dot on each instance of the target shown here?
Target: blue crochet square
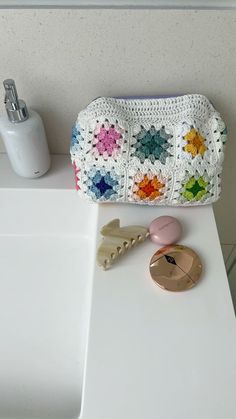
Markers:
(103, 185)
(77, 139)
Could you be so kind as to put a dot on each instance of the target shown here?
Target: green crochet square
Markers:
(195, 189)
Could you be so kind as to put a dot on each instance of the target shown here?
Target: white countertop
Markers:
(154, 354)
(60, 176)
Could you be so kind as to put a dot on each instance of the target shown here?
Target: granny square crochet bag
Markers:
(158, 151)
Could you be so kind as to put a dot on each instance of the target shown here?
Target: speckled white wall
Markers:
(62, 59)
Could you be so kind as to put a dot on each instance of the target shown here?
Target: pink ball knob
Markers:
(165, 230)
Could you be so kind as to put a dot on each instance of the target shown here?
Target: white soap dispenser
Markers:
(24, 137)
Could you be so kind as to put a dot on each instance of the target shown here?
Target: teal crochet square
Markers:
(151, 144)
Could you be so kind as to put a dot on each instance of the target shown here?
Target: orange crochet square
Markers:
(149, 189)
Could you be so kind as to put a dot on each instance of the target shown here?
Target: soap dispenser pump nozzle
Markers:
(16, 108)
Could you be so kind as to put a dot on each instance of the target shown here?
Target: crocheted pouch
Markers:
(156, 151)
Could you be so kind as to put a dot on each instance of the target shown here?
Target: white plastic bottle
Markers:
(24, 137)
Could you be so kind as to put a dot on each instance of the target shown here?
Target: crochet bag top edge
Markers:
(151, 109)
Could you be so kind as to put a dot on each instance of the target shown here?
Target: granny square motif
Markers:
(164, 151)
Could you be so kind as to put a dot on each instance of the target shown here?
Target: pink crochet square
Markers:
(107, 140)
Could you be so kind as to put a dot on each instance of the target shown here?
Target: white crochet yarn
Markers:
(149, 151)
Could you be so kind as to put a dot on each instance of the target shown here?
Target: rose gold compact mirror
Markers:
(175, 268)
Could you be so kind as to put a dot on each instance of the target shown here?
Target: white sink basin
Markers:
(46, 262)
